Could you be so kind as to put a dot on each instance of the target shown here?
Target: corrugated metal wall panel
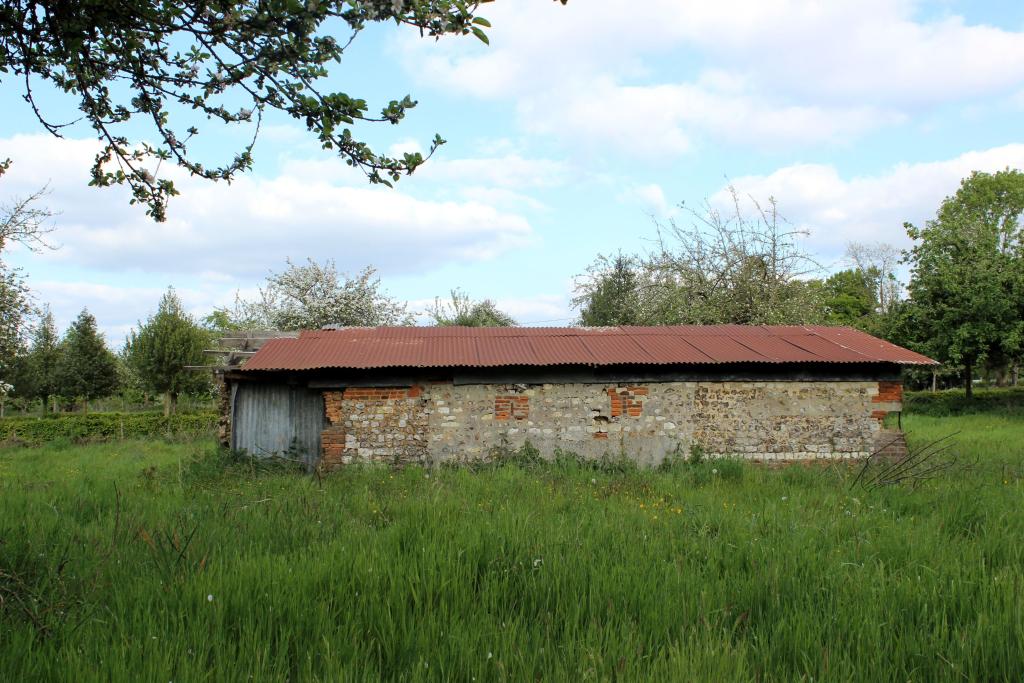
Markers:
(268, 418)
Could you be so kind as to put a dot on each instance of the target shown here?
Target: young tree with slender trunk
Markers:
(163, 348)
(43, 361)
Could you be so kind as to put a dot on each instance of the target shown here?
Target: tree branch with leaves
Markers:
(174, 65)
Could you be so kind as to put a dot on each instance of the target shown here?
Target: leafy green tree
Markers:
(87, 368)
(174, 66)
(42, 362)
(612, 293)
(163, 348)
(218, 321)
(967, 277)
(464, 312)
(850, 298)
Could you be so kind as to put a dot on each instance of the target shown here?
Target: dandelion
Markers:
(489, 655)
(785, 498)
(714, 471)
(209, 598)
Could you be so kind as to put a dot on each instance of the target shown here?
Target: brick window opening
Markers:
(511, 407)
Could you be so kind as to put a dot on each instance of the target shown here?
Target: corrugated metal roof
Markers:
(437, 347)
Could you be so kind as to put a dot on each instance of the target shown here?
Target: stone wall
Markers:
(373, 424)
(769, 420)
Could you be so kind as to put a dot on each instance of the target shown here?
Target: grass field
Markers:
(157, 562)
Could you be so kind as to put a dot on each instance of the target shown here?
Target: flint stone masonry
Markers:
(372, 424)
(759, 420)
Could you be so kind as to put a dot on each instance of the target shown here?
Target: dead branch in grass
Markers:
(918, 465)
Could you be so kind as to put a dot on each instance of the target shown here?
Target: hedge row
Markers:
(953, 401)
(105, 426)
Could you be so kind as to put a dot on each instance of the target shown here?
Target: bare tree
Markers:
(25, 222)
(731, 267)
(878, 261)
(22, 220)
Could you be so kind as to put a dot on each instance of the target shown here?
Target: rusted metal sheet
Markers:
(277, 419)
(425, 347)
(776, 349)
(669, 346)
(865, 344)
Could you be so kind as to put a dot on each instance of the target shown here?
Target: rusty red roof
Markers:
(437, 347)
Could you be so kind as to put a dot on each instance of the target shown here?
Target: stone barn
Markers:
(443, 394)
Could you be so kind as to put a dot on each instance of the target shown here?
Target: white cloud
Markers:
(658, 120)
(651, 199)
(552, 310)
(859, 50)
(742, 71)
(407, 146)
(868, 208)
(244, 229)
(118, 308)
(500, 197)
(509, 171)
(852, 49)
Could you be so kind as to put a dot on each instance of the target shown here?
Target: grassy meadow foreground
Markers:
(170, 561)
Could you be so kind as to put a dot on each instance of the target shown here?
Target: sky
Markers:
(575, 131)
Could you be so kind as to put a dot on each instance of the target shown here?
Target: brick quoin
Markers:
(332, 406)
(888, 392)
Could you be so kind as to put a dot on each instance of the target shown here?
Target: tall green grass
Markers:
(151, 561)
